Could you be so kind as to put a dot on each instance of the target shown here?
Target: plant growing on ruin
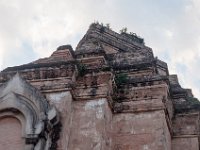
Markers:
(108, 26)
(121, 79)
(193, 100)
(82, 70)
(123, 30)
(96, 22)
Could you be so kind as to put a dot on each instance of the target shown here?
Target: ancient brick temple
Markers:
(111, 93)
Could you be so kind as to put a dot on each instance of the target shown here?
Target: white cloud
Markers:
(169, 34)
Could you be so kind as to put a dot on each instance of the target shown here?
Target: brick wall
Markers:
(11, 135)
(190, 143)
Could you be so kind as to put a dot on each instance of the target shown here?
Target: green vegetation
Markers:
(108, 25)
(123, 30)
(193, 100)
(132, 35)
(82, 70)
(121, 79)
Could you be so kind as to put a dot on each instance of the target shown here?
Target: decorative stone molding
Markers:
(39, 120)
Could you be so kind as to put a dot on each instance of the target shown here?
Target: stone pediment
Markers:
(36, 115)
(20, 87)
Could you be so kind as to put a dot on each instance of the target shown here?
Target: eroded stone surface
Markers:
(141, 131)
(11, 131)
(185, 143)
(90, 125)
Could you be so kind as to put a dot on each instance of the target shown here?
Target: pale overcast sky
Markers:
(31, 29)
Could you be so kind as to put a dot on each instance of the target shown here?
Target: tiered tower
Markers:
(111, 93)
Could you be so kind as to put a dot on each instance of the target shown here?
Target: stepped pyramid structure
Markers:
(110, 93)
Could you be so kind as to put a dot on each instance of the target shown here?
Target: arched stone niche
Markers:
(39, 121)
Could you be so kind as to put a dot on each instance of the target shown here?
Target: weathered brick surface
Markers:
(90, 126)
(190, 143)
(186, 124)
(141, 131)
(11, 134)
